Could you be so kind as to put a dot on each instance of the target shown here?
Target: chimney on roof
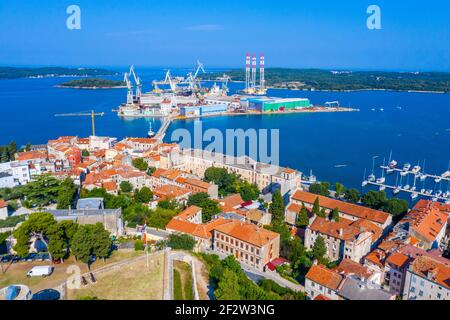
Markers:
(315, 262)
(341, 232)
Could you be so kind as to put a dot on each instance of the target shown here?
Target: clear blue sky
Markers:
(415, 34)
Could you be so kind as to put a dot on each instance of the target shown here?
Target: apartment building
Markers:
(347, 210)
(248, 243)
(427, 279)
(264, 176)
(321, 281)
(343, 239)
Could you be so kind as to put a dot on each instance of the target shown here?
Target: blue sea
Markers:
(335, 146)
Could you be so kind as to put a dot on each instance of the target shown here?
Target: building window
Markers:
(420, 293)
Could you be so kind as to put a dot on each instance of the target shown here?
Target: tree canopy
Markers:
(209, 206)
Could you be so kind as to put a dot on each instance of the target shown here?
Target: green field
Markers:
(182, 281)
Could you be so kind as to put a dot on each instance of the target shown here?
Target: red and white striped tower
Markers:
(254, 71)
(247, 72)
(262, 79)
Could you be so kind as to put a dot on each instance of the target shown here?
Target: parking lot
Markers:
(16, 272)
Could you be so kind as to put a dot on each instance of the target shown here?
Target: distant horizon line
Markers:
(99, 66)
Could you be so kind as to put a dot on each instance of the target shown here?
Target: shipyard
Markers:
(186, 97)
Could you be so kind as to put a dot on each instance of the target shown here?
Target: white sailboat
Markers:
(382, 180)
(150, 132)
(365, 182)
(372, 176)
(423, 176)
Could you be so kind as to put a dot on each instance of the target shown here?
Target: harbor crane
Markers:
(137, 80)
(192, 78)
(91, 114)
(126, 79)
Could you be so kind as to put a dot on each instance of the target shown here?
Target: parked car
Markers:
(31, 257)
(6, 259)
(15, 259)
(40, 271)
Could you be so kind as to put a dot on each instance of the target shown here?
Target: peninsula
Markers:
(48, 72)
(347, 80)
(93, 83)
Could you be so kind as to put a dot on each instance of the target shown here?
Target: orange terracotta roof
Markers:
(432, 269)
(321, 297)
(324, 276)
(427, 221)
(170, 191)
(293, 207)
(376, 257)
(344, 207)
(29, 155)
(109, 186)
(189, 212)
(248, 232)
(398, 259)
(232, 201)
(143, 140)
(344, 229)
(350, 267)
(3, 204)
(197, 183)
(158, 172)
(197, 230)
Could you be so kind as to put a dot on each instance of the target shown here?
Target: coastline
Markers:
(89, 88)
(350, 90)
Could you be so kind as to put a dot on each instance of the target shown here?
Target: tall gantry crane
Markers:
(91, 114)
(126, 79)
(138, 82)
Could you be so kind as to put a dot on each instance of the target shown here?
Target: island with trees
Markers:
(332, 80)
(93, 83)
(48, 72)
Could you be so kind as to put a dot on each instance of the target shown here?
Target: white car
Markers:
(40, 271)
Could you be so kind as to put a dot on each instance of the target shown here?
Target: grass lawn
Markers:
(16, 274)
(130, 282)
(182, 281)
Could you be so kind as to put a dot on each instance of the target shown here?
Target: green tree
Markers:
(138, 245)
(396, 207)
(12, 149)
(303, 219)
(126, 187)
(140, 164)
(322, 213)
(91, 240)
(352, 195)
(374, 199)
(228, 287)
(227, 182)
(43, 226)
(277, 208)
(319, 249)
(85, 153)
(320, 188)
(144, 195)
(169, 205)
(181, 242)
(66, 194)
(209, 207)
(42, 191)
(159, 218)
(151, 171)
(249, 191)
(335, 214)
(316, 207)
(339, 189)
